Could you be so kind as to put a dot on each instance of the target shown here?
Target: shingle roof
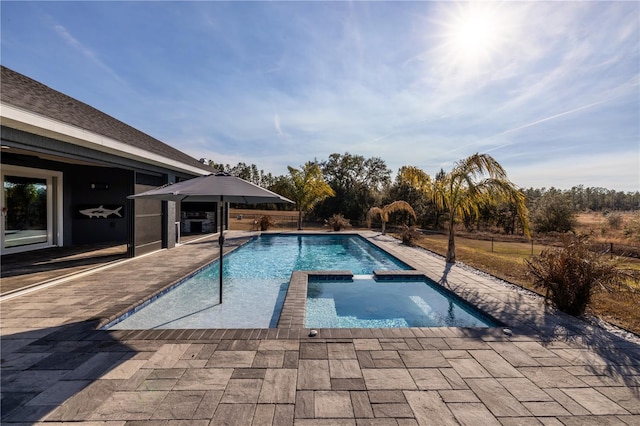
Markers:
(23, 92)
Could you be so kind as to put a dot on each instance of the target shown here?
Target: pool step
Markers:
(329, 275)
(399, 275)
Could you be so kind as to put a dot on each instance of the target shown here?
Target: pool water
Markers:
(255, 281)
(366, 303)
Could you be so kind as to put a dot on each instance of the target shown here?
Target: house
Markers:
(68, 168)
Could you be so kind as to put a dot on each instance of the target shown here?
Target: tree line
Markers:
(351, 185)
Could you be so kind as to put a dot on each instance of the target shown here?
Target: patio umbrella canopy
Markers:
(214, 187)
(219, 187)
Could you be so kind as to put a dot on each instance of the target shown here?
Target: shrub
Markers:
(266, 222)
(632, 229)
(571, 274)
(409, 235)
(337, 222)
(554, 212)
(614, 220)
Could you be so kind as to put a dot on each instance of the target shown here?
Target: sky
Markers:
(551, 90)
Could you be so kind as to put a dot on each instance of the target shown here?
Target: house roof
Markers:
(27, 94)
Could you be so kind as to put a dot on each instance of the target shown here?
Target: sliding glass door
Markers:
(31, 215)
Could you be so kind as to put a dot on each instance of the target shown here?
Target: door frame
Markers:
(55, 218)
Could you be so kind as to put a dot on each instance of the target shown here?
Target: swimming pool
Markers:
(367, 303)
(255, 280)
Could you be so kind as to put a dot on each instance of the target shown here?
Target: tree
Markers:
(554, 212)
(308, 188)
(384, 212)
(472, 182)
(411, 185)
(357, 183)
(244, 171)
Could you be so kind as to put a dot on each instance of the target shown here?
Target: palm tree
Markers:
(385, 211)
(309, 188)
(465, 188)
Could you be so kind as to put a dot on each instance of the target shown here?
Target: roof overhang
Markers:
(27, 121)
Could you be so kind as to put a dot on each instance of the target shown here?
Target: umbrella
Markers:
(219, 187)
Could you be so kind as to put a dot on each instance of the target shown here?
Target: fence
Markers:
(616, 249)
(251, 222)
(533, 247)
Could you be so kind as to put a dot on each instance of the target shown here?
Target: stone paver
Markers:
(594, 401)
(388, 378)
(279, 387)
(496, 398)
(429, 409)
(473, 414)
(313, 374)
(344, 369)
(524, 390)
(429, 379)
(333, 404)
(242, 391)
(58, 367)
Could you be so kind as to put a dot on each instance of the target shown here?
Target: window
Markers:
(31, 209)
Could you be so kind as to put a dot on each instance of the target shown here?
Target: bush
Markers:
(614, 220)
(266, 222)
(570, 275)
(632, 228)
(409, 235)
(554, 212)
(337, 222)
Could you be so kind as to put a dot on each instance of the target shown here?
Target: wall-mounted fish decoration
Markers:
(100, 212)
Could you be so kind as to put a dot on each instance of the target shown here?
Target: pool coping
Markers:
(294, 308)
(520, 312)
(294, 314)
(293, 311)
(122, 313)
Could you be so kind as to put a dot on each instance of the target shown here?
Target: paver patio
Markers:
(58, 367)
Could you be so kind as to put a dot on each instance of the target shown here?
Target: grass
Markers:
(243, 219)
(507, 261)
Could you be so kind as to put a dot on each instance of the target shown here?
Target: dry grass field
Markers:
(600, 228)
(247, 220)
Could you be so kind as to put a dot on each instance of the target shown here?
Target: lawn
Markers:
(247, 219)
(286, 220)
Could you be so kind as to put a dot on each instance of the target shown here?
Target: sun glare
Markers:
(475, 33)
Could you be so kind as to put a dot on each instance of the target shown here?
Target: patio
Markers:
(550, 369)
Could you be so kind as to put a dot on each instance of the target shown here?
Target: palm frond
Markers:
(373, 212)
(398, 206)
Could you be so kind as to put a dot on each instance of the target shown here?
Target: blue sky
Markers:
(550, 89)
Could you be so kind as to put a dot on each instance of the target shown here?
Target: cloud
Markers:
(276, 124)
(85, 51)
(282, 83)
(536, 122)
(620, 171)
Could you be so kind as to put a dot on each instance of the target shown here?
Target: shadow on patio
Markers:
(60, 373)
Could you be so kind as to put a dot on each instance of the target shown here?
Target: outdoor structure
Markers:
(220, 188)
(68, 168)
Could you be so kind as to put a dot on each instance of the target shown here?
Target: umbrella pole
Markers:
(221, 243)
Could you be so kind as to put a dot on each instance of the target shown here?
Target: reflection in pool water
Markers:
(255, 280)
(366, 303)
